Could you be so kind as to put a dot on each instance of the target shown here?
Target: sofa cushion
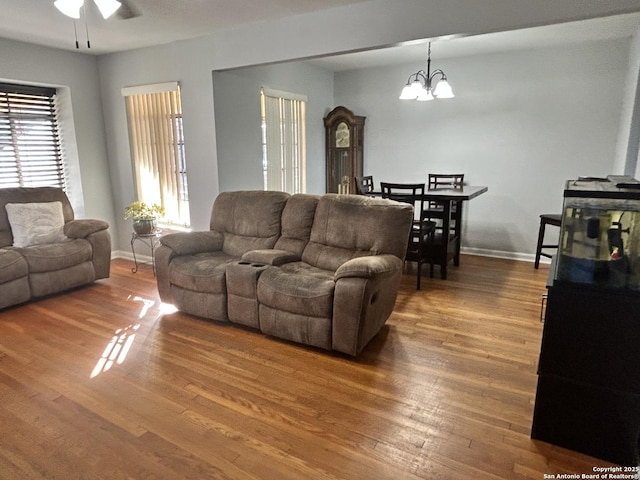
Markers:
(12, 265)
(36, 223)
(249, 220)
(382, 227)
(204, 272)
(297, 220)
(297, 288)
(56, 256)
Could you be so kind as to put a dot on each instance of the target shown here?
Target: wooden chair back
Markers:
(364, 185)
(446, 180)
(422, 230)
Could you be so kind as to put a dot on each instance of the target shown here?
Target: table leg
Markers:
(446, 226)
(458, 232)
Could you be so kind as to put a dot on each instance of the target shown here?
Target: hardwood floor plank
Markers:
(106, 382)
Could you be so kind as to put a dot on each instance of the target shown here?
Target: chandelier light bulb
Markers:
(425, 95)
(407, 93)
(443, 90)
(416, 88)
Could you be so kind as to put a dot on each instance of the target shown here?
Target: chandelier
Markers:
(420, 84)
(71, 8)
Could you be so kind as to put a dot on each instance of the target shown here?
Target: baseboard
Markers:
(522, 257)
(127, 255)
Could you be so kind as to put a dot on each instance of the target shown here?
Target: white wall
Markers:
(76, 75)
(364, 25)
(237, 110)
(521, 123)
(628, 144)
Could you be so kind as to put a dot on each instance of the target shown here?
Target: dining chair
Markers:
(435, 212)
(422, 230)
(364, 185)
(446, 180)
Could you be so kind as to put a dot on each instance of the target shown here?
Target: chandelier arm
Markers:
(437, 72)
(421, 74)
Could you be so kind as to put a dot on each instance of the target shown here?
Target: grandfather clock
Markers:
(344, 148)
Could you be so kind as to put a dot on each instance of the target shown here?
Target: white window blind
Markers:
(154, 115)
(30, 146)
(283, 140)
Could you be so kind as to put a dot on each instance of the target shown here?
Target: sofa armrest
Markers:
(190, 243)
(365, 293)
(369, 267)
(83, 227)
(271, 257)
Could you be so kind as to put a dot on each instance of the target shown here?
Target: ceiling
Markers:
(157, 22)
(619, 26)
(154, 22)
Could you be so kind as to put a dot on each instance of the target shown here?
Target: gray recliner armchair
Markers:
(82, 256)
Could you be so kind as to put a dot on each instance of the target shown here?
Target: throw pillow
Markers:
(36, 223)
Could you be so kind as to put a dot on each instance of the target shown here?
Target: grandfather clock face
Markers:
(342, 135)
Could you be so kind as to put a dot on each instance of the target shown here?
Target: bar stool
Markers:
(550, 219)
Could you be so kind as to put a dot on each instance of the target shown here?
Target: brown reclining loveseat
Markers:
(318, 270)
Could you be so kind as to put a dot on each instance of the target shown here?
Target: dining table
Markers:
(445, 199)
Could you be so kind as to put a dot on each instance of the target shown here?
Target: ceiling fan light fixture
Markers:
(107, 7)
(71, 8)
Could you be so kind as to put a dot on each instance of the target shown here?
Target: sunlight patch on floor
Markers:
(118, 347)
(167, 308)
(116, 350)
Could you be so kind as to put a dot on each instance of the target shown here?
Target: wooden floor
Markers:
(106, 383)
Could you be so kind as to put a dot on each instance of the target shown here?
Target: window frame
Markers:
(283, 147)
(156, 140)
(31, 146)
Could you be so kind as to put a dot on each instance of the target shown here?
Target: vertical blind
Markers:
(157, 148)
(283, 141)
(30, 146)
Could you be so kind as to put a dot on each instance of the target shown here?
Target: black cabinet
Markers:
(588, 395)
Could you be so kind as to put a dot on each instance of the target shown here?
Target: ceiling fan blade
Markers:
(107, 7)
(127, 10)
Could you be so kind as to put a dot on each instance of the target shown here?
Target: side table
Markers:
(151, 241)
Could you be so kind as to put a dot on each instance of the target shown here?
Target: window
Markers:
(283, 141)
(154, 115)
(30, 147)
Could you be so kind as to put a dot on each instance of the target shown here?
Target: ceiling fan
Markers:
(71, 8)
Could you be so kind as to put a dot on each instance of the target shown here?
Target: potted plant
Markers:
(144, 217)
